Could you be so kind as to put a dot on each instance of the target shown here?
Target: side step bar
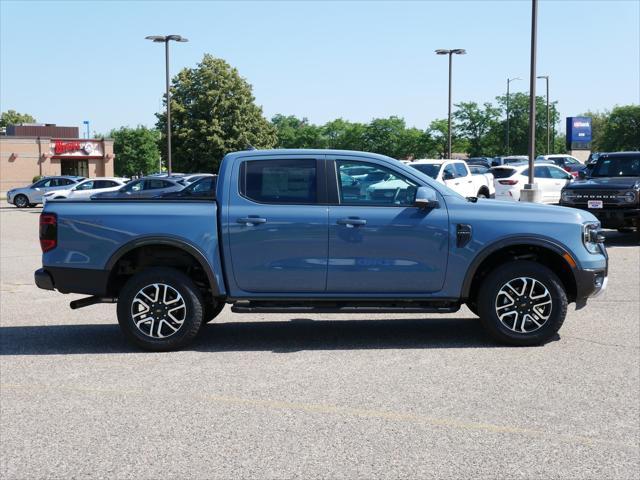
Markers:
(396, 307)
(88, 301)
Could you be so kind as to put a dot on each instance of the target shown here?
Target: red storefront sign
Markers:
(62, 146)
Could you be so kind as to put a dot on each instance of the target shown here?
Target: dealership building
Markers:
(31, 150)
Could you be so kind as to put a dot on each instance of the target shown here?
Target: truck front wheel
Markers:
(160, 309)
(522, 303)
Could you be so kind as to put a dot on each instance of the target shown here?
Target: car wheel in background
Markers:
(522, 303)
(160, 309)
(21, 201)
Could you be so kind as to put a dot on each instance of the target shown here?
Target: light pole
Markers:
(455, 51)
(530, 193)
(166, 39)
(546, 77)
(509, 80)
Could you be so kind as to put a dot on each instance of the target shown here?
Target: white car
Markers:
(86, 188)
(510, 179)
(456, 175)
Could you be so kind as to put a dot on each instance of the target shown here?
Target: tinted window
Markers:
(558, 173)
(626, 166)
(99, 184)
(430, 169)
(461, 169)
(449, 172)
(156, 184)
(502, 172)
(393, 189)
(539, 172)
(280, 181)
(86, 185)
(66, 181)
(134, 186)
(478, 169)
(42, 183)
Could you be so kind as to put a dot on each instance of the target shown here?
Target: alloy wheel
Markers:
(523, 305)
(158, 310)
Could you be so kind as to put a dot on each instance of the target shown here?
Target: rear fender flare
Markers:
(167, 241)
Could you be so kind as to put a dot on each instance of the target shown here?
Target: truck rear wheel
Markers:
(160, 309)
(522, 303)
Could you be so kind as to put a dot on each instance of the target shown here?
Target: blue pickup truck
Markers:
(322, 231)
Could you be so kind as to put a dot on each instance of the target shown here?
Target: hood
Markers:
(510, 211)
(616, 183)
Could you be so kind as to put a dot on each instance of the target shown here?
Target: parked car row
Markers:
(80, 188)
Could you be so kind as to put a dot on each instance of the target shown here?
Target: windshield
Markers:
(627, 166)
(430, 169)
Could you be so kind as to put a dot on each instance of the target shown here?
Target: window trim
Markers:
(321, 184)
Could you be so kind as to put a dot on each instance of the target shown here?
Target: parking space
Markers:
(314, 395)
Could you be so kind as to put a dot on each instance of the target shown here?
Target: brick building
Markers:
(27, 151)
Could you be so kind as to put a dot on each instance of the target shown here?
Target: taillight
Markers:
(507, 182)
(567, 169)
(48, 231)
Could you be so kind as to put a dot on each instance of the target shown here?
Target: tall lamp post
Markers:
(546, 77)
(455, 51)
(530, 193)
(509, 80)
(166, 39)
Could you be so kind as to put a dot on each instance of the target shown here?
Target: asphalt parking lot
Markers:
(317, 396)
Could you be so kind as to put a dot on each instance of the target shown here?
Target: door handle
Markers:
(469, 181)
(251, 220)
(351, 222)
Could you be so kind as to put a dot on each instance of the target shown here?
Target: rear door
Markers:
(277, 224)
(378, 241)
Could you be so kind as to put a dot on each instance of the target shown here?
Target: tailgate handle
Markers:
(251, 220)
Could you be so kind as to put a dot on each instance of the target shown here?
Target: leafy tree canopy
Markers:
(136, 150)
(11, 117)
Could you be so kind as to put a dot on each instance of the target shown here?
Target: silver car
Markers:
(32, 195)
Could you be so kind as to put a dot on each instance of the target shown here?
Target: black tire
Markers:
(489, 295)
(192, 315)
(21, 201)
(211, 311)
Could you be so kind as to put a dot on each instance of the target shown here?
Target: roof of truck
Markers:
(304, 151)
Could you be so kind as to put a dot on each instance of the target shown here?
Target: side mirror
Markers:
(582, 174)
(426, 198)
(447, 176)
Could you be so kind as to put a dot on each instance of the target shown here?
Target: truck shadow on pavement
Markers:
(279, 337)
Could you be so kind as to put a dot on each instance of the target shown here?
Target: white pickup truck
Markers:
(455, 174)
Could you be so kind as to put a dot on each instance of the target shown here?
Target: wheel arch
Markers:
(161, 242)
(543, 250)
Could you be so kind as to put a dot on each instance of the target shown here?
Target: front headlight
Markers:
(568, 196)
(629, 197)
(592, 237)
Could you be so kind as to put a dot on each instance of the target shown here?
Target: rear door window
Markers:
(280, 181)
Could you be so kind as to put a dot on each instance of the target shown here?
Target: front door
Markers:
(276, 227)
(378, 241)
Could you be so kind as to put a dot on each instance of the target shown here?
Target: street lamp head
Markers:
(543, 76)
(459, 51)
(177, 38)
(443, 51)
(156, 38)
(513, 79)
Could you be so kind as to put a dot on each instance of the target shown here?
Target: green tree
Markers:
(519, 123)
(438, 130)
(622, 129)
(475, 123)
(598, 123)
(293, 132)
(11, 117)
(344, 135)
(213, 112)
(136, 150)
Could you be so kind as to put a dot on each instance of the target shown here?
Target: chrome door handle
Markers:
(351, 222)
(251, 220)
(469, 181)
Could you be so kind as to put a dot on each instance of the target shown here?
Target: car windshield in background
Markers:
(502, 172)
(475, 169)
(430, 169)
(626, 166)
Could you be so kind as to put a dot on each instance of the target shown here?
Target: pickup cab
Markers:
(456, 175)
(294, 231)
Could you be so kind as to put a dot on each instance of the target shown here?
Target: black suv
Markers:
(611, 191)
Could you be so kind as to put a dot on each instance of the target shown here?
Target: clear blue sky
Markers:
(65, 62)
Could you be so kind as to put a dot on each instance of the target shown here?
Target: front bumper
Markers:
(589, 284)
